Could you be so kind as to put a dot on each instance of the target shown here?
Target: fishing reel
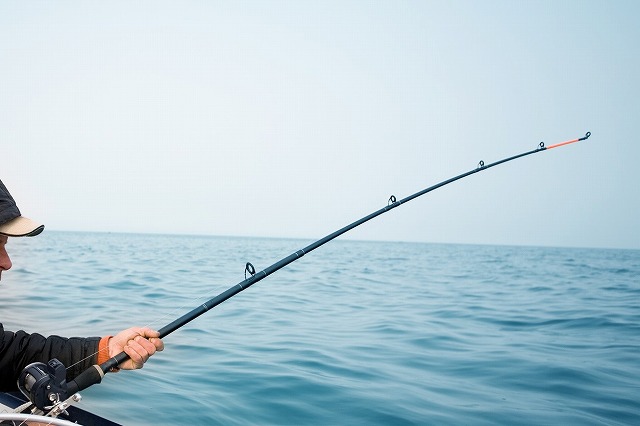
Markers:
(46, 387)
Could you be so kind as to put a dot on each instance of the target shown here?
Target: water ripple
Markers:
(357, 333)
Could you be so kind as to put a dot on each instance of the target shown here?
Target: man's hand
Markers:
(139, 343)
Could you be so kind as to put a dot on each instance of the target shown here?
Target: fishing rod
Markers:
(33, 385)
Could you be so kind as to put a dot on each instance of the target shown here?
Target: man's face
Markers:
(5, 262)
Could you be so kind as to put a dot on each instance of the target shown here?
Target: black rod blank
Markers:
(256, 277)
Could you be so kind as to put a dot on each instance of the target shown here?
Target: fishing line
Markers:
(258, 276)
(170, 314)
(95, 373)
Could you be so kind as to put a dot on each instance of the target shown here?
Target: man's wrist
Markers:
(104, 352)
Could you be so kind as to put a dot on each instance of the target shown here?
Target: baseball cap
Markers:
(12, 223)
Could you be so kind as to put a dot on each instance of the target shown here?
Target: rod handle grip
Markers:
(113, 362)
(89, 377)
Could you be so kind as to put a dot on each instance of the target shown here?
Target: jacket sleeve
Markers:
(19, 349)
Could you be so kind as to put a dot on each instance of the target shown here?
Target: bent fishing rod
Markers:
(34, 382)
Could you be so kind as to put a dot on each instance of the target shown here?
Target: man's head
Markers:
(12, 223)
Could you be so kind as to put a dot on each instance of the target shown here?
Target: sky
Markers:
(295, 118)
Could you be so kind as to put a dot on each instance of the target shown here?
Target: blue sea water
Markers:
(372, 333)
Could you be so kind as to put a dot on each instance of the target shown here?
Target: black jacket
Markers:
(17, 350)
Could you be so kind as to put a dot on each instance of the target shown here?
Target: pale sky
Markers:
(295, 118)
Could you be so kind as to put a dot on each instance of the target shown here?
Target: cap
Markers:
(12, 223)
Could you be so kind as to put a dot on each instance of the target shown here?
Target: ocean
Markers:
(354, 333)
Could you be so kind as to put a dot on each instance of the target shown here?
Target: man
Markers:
(19, 349)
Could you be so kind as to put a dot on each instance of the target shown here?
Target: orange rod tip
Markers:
(586, 136)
